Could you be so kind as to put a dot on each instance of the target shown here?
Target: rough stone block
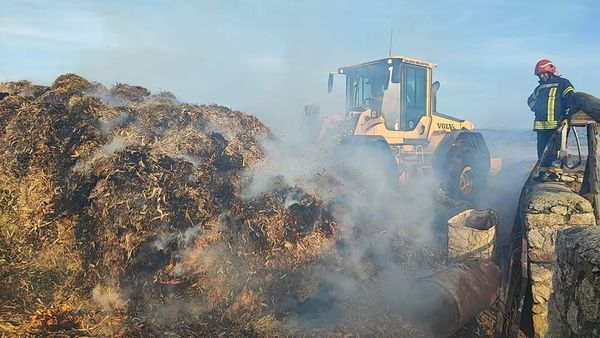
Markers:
(584, 206)
(540, 309)
(582, 219)
(543, 196)
(582, 243)
(572, 314)
(541, 256)
(559, 210)
(557, 326)
(541, 292)
(588, 300)
(577, 281)
(540, 324)
(540, 273)
(541, 244)
(544, 220)
(535, 239)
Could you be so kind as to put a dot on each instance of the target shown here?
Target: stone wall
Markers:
(550, 207)
(575, 304)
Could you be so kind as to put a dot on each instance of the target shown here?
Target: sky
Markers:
(271, 57)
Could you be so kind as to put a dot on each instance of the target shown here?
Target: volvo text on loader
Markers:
(391, 106)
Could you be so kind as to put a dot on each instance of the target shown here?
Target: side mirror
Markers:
(330, 83)
(434, 89)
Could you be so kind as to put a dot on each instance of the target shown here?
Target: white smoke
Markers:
(110, 299)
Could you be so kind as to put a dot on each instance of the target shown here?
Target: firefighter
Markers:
(550, 103)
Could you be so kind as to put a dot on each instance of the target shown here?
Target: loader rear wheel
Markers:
(461, 163)
(466, 182)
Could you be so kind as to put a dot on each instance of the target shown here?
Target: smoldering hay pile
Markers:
(123, 213)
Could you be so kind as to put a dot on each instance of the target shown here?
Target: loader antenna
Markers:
(391, 39)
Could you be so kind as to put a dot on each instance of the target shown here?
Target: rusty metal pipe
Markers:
(447, 300)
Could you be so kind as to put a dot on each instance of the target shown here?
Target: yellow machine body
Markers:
(395, 99)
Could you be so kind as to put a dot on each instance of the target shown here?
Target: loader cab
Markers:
(397, 89)
(394, 98)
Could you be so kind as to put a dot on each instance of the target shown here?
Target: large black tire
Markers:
(463, 167)
(368, 155)
(466, 177)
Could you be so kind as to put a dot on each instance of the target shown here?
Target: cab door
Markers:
(413, 99)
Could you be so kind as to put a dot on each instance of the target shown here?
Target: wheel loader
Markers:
(391, 107)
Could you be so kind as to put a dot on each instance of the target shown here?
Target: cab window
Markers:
(415, 96)
(365, 88)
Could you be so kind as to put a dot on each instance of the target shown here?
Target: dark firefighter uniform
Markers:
(549, 101)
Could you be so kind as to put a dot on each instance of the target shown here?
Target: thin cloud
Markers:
(59, 24)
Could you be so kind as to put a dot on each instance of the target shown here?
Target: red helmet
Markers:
(544, 66)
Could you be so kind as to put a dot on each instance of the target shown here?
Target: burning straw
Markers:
(123, 215)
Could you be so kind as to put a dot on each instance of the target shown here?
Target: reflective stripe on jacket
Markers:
(550, 103)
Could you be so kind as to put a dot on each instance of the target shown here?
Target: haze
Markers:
(269, 58)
